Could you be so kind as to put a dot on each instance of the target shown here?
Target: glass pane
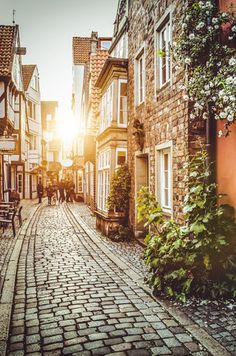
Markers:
(166, 161)
(141, 80)
(166, 197)
(123, 89)
(121, 158)
(166, 180)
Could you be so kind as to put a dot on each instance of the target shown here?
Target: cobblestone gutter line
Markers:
(197, 332)
(217, 318)
(9, 282)
(70, 298)
(7, 242)
(129, 252)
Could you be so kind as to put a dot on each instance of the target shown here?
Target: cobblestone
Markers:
(216, 317)
(81, 302)
(7, 242)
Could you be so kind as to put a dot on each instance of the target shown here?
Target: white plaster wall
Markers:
(78, 78)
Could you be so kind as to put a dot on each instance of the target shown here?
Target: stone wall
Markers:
(164, 112)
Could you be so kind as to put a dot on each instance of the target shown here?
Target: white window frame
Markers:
(140, 56)
(91, 179)
(119, 84)
(164, 21)
(120, 150)
(160, 177)
(104, 162)
(87, 177)
(107, 107)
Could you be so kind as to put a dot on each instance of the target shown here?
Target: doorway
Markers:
(20, 184)
(141, 180)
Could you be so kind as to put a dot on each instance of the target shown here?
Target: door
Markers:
(20, 184)
(141, 180)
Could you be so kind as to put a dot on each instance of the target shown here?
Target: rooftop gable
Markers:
(27, 72)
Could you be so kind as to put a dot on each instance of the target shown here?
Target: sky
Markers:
(46, 30)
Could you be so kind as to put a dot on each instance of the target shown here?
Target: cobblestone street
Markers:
(77, 293)
(7, 242)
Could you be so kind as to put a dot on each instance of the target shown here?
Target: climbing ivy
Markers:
(198, 257)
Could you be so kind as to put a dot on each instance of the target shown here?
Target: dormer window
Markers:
(34, 82)
(105, 45)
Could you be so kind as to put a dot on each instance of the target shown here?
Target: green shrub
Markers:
(200, 256)
(118, 199)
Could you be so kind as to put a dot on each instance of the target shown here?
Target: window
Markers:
(103, 179)
(20, 183)
(140, 78)
(34, 82)
(91, 179)
(122, 105)
(164, 177)
(32, 109)
(121, 156)
(33, 142)
(105, 45)
(106, 108)
(163, 53)
(87, 177)
(121, 49)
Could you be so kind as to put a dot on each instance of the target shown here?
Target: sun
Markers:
(67, 130)
(66, 126)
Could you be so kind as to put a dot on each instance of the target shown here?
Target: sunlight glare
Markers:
(66, 125)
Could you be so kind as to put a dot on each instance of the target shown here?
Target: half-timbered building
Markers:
(12, 113)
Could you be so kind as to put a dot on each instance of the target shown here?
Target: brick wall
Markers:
(164, 113)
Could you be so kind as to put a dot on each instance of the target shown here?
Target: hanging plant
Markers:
(210, 87)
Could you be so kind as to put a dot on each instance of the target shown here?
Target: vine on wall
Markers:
(206, 49)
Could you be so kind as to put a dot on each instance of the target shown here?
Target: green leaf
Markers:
(197, 228)
(206, 261)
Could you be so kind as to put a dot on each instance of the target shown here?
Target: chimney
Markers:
(94, 42)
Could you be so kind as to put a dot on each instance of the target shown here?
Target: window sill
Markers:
(167, 212)
(140, 105)
(163, 87)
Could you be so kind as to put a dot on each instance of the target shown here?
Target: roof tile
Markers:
(81, 49)
(27, 72)
(7, 35)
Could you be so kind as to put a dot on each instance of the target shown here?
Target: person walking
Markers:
(67, 188)
(55, 188)
(50, 193)
(72, 191)
(61, 191)
(40, 191)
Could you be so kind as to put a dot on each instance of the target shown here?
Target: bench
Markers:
(5, 221)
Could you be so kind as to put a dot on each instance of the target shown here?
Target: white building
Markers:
(33, 129)
(12, 113)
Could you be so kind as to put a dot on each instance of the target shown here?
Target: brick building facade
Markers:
(160, 135)
(89, 56)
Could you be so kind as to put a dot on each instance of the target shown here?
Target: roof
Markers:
(7, 39)
(81, 49)
(96, 64)
(27, 72)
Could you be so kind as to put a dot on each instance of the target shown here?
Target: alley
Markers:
(75, 299)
